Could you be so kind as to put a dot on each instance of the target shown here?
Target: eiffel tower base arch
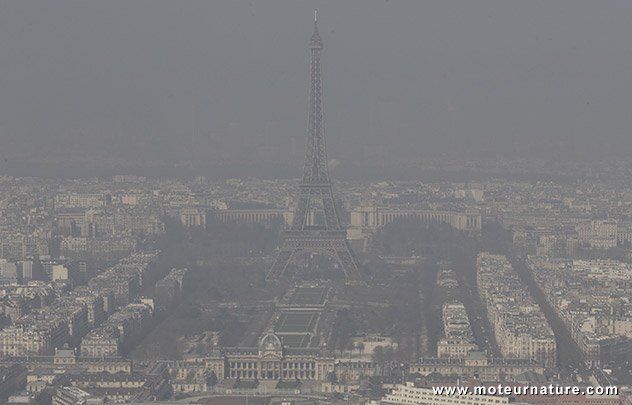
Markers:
(331, 243)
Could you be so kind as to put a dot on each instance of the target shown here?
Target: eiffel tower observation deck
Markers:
(316, 199)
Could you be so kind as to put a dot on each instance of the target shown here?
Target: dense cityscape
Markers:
(136, 289)
(406, 281)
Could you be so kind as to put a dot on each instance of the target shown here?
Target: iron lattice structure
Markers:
(315, 188)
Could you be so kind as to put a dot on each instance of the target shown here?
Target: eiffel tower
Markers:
(315, 194)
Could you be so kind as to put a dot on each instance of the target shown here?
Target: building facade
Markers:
(476, 365)
(409, 394)
(271, 361)
(374, 217)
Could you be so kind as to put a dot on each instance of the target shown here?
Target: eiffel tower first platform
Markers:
(315, 194)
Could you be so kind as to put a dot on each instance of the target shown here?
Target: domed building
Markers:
(270, 360)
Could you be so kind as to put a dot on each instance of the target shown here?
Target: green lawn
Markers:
(295, 340)
(309, 296)
(296, 322)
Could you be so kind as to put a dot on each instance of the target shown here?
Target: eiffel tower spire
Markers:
(315, 42)
(315, 192)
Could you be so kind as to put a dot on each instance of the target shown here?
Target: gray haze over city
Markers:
(205, 83)
(239, 203)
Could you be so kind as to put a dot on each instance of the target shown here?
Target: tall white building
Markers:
(410, 395)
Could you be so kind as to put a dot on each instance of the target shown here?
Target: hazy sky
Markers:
(164, 79)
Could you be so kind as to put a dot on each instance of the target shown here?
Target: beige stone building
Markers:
(272, 361)
(374, 217)
(66, 357)
(410, 395)
(477, 365)
(101, 342)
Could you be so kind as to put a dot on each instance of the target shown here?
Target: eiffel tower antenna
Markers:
(315, 190)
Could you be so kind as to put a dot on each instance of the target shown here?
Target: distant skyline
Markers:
(190, 83)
